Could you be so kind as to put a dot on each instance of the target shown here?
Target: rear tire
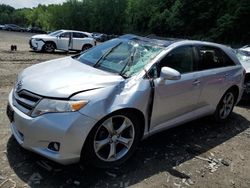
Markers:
(225, 106)
(86, 47)
(112, 141)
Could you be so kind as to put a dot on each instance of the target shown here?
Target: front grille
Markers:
(25, 101)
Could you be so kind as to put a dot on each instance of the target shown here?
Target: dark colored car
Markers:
(100, 37)
(13, 27)
(36, 30)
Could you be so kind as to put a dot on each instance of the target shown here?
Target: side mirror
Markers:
(168, 73)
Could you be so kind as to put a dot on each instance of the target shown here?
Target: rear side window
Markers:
(211, 58)
(79, 35)
(180, 59)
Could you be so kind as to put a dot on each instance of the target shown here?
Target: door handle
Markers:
(196, 82)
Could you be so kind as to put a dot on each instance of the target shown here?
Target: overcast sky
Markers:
(29, 3)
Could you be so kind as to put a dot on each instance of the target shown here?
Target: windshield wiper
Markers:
(106, 54)
(128, 64)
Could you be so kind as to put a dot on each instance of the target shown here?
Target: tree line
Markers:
(225, 21)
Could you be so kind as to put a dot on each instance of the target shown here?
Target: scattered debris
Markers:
(177, 185)
(191, 182)
(8, 180)
(2, 178)
(202, 158)
(242, 157)
(224, 162)
(184, 181)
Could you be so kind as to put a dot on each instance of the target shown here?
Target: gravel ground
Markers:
(198, 154)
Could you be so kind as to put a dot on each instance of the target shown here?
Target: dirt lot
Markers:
(197, 154)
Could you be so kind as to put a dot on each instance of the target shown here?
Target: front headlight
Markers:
(51, 105)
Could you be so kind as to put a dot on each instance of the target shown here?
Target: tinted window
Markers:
(227, 60)
(180, 59)
(79, 35)
(211, 57)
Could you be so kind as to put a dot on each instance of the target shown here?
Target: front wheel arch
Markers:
(135, 115)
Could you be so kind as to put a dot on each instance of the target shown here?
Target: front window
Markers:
(55, 33)
(124, 57)
(180, 59)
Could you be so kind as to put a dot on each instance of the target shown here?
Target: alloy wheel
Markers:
(49, 47)
(227, 105)
(114, 138)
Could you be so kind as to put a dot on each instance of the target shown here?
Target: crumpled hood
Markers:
(60, 78)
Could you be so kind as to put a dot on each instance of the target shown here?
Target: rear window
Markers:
(79, 35)
(211, 57)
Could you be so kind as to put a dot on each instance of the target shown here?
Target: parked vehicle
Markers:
(98, 105)
(244, 58)
(62, 40)
(36, 30)
(2, 27)
(100, 37)
(13, 27)
(245, 48)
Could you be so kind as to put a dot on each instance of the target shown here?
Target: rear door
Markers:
(174, 98)
(78, 40)
(64, 41)
(216, 69)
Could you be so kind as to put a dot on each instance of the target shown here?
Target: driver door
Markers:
(176, 98)
(64, 41)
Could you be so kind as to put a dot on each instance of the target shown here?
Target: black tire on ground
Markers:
(225, 106)
(49, 47)
(95, 154)
(86, 47)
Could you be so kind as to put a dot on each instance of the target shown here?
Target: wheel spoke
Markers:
(109, 126)
(112, 151)
(229, 99)
(124, 141)
(100, 144)
(225, 100)
(124, 125)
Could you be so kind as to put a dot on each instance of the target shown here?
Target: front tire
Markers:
(49, 47)
(225, 106)
(112, 141)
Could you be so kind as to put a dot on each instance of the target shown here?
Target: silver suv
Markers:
(98, 105)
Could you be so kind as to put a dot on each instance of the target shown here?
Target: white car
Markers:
(245, 48)
(62, 40)
(244, 58)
